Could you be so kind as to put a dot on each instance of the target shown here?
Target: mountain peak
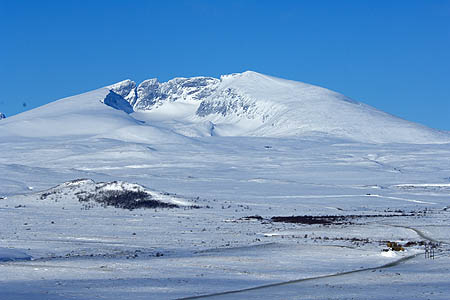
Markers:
(2, 116)
(240, 104)
(255, 104)
(151, 93)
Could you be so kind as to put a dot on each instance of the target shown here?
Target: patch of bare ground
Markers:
(333, 219)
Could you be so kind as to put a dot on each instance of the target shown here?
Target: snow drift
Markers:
(10, 254)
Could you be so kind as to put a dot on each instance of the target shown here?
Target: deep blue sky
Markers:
(394, 55)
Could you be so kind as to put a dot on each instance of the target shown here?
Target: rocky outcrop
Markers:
(151, 93)
(118, 102)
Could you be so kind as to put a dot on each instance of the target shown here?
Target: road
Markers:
(268, 286)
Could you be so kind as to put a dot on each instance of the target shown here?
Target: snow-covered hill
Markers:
(117, 193)
(245, 104)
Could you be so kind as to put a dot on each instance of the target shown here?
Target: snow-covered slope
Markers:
(100, 113)
(253, 104)
(83, 114)
(245, 104)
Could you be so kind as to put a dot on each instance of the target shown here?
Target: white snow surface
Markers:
(211, 143)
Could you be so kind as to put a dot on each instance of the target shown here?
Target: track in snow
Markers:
(388, 265)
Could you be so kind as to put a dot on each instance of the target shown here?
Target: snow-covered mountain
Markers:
(244, 104)
(253, 104)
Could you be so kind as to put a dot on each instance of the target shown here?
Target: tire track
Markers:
(420, 233)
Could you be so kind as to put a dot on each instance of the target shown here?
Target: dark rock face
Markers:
(2, 116)
(125, 199)
(118, 102)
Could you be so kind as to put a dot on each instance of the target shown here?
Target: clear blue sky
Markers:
(394, 55)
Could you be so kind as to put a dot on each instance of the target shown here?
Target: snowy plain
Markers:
(232, 172)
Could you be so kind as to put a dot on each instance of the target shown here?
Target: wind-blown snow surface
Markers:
(54, 247)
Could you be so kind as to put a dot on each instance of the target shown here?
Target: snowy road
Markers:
(265, 289)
